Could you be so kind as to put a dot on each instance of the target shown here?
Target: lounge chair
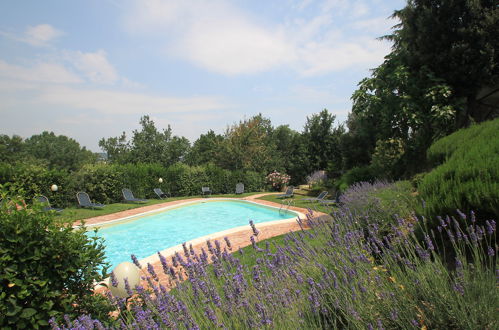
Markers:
(128, 196)
(44, 200)
(334, 201)
(84, 201)
(288, 193)
(239, 188)
(319, 198)
(160, 193)
(205, 191)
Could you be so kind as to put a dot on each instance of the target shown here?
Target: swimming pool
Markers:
(144, 235)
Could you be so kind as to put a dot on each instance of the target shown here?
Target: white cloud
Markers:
(326, 57)
(219, 37)
(94, 66)
(38, 35)
(40, 72)
(42, 34)
(119, 103)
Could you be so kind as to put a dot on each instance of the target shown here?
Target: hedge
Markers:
(467, 172)
(103, 182)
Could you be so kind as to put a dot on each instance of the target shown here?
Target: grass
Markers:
(76, 213)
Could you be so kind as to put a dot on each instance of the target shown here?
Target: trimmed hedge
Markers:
(103, 182)
(468, 177)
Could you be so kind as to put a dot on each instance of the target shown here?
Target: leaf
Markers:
(28, 312)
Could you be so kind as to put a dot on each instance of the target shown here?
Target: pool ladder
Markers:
(285, 207)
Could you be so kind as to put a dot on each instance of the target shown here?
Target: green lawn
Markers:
(76, 213)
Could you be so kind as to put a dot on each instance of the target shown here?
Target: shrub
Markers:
(278, 180)
(47, 269)
(354, 175)
(468, 177)
(102, 182)
(142, 178)
(380, 202)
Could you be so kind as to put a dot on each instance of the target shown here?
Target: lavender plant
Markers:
(335, 275)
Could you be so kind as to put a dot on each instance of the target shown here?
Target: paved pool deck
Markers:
(239, 237)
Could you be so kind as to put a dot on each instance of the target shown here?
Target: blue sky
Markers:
(90, 69)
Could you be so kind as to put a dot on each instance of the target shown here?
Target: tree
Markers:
(117, 149)
(205, 149)
(456, 41)
(249, 146)
(322, 141)
(291, 148)
(148, 145)
(11, 148)
(59, 151)
(444, 54)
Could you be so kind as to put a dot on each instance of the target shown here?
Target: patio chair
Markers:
(288, 193)
(128, 197)
(319, 198)
(44, 200)
(160, 193)
(206, 191)
(84, 201)
(239, 188)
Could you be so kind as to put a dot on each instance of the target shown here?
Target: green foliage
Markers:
(457, 42)
(59, 151)
(47, 269)
(354, 175)
(249, 146)
(47, 149)
(386, 156)
(322, 142)
(11, 149)
(148, 145)
(205, 149)
(429, 85)
(380, 203)
(468, 178)
(102, 182)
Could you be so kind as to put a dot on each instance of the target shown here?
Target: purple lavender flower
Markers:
(164, 263)
(490, 252)
(127, 287)
(114, 280)
(491, 226)
(174, 261)
(253, 227)
(211, 315)
(226, 239)
(136, 261)
(429, 242)
(151, 271)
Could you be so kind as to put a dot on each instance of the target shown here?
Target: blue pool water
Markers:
(150, 234)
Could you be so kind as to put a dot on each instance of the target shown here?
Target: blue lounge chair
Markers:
(84, 201)
(206, 191)
(160, 193)
(319, 198)
(44, 200)
(288, 193)
(239, 188)
(128, 196)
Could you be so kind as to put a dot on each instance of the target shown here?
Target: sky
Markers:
(89, 69)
